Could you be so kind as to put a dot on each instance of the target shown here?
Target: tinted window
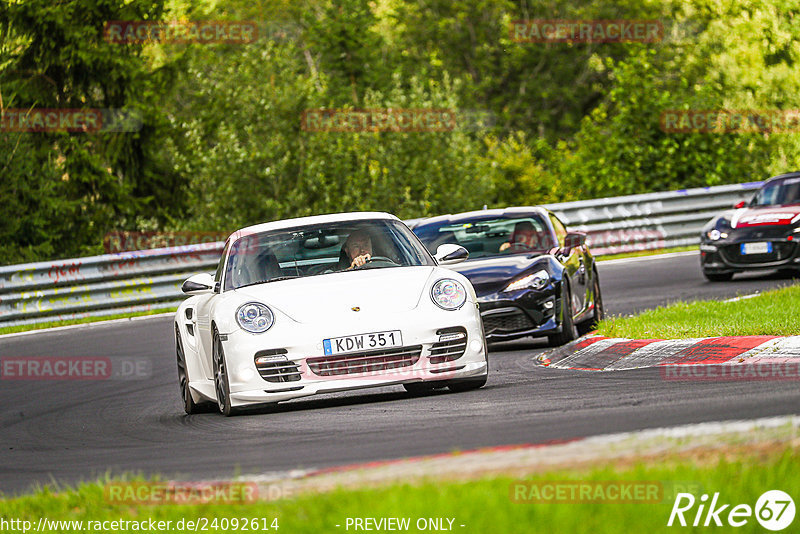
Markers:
(778, 192)
(486, 237)
(321, 249)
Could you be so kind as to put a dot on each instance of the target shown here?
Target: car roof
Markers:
(483, 215)
(312, 220)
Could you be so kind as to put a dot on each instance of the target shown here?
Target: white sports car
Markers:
(323, 304)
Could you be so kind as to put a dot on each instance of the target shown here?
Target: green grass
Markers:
(482, 505)
(68, 322)
(649, 252)
(770, 313)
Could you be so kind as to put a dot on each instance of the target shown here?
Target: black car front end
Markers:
(725, 250)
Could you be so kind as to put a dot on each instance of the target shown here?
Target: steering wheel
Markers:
(518, 245)
(375, 258)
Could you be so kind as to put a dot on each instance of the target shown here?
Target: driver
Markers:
(523, 237)
(358, 248)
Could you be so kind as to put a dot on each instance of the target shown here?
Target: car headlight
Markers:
(255, 317)
(537, 280)
(715, 235)
(448, 294)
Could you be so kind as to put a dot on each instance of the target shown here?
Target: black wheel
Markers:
(466, 384)
(568, 332)
(598, 313)
(221, 384)
(189, 406)
(718, 277)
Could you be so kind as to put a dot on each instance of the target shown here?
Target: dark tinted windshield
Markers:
(490, 237)
(322, 249)
(778, 192)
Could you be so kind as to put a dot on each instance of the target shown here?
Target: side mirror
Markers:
(574, 239)
(740, 205)
(450, 253)
(199, 284)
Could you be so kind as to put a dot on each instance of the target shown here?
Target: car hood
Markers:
(765, 216)
(319, 298)
(489, 275)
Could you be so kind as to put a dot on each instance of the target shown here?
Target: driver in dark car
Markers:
(358, 249)
(524, 237)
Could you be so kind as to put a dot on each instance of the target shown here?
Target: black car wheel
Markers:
(598, 313)
(568, 332)
(718, 277)
(221, 384)
(189, 405)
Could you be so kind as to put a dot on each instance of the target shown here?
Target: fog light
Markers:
(246, 373)
(548, 304)
(476, 345)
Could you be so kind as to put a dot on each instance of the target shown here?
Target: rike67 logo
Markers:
(774, 510)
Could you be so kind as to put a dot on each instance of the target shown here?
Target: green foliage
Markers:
(222, 144)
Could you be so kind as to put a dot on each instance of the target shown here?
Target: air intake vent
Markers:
(365, 362)
(451, 345)
(274, 366)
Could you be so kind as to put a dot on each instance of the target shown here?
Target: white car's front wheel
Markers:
(221, 384)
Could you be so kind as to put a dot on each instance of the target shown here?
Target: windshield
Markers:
(778, 193)
(322, 249)
(490, 237)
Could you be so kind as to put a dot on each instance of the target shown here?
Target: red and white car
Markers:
(760, 235)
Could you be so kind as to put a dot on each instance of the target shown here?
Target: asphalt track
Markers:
(68, 431)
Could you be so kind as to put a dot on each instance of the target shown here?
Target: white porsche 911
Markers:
(322, 304)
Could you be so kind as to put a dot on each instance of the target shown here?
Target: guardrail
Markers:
(151, 279)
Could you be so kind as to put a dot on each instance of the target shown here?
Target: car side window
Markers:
(221, 264)
(561, 231)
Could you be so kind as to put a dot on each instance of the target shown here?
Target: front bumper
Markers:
(302, 369)
(724, 256)
(515, 314)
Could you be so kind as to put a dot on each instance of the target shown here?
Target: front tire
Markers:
(221, 384)
(189, 405)
(718, 277)
(568, 332)
(598, 313)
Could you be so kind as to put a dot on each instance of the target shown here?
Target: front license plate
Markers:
(375, 340)
(760, 247)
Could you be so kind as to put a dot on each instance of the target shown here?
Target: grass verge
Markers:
(770, 313)
(83, 320)
(482, 505)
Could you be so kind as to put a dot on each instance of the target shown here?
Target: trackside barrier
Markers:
(151, 279)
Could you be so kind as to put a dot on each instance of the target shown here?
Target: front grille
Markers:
(276, 367)
(781, 251)
(452, 347)
(365, 362)
(510, 321)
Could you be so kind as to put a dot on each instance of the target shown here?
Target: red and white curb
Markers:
(599, 353)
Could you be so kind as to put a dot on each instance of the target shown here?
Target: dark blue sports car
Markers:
(532, 277)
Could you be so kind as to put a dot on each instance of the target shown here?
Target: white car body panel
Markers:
(310, 309)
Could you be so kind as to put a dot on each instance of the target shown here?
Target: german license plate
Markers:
(759, 247)
(374, 340)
